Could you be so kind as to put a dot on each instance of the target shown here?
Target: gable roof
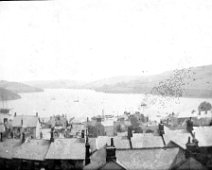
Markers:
(33, 149)
(7, 147)
(28, 121)
(114, 165)
(67, 149)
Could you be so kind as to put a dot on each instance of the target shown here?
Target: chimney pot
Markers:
(87, 152)
(111, 152)
(15, 114)
(112, 142)
(23, 137)
(22, 122)
(52, 135)
(36, 114)
(1, 135)
(189, 140)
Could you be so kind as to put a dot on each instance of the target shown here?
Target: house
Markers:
(109, 127)
(4, 117)
(31, 154)
(66, 153)
(95, 128)
(59, 120)
(28, 124)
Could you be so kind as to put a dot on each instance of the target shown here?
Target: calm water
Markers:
(83, 103)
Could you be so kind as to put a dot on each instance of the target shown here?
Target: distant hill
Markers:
(18, 87)
(8, 95)
(54, 84)
(189, 82)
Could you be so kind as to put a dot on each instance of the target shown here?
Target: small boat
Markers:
(76, 101)
(143, 104)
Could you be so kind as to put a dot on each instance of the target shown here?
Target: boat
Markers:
(143, 104)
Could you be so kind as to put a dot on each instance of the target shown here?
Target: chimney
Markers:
(23, 137)
(111, 152)
(22, 122)
(192, 148)
(36, 114)
(129, 136)
(99, 119)
(15, 114)
(87, 152)
(83, 133)
(161, 128)
(11, 134)
(52, 135)
(189, 125)
(1, 136)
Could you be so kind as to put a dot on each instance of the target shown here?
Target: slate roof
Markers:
(141, 140)
(130, 159)
(190, 163)
(7, 147)
(161, 158)
(67, 149)
(32, 149)
(119, 142)
(138, 141)
(180, 137)
(28, 121)
(204, 135)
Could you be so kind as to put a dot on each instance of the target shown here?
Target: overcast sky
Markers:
(94, 39)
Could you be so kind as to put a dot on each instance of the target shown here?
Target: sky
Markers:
(94, 39)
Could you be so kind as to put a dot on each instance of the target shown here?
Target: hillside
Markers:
(8, 95)
(54, 84)
(17, 87)
(190, 82)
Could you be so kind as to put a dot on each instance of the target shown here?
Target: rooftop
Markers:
(32, 149)
(190, 163)
(161, 158)
(119, 142)
(180, 137)
(151, 158)
(146, 140)
(7, 147)
(72, 148)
